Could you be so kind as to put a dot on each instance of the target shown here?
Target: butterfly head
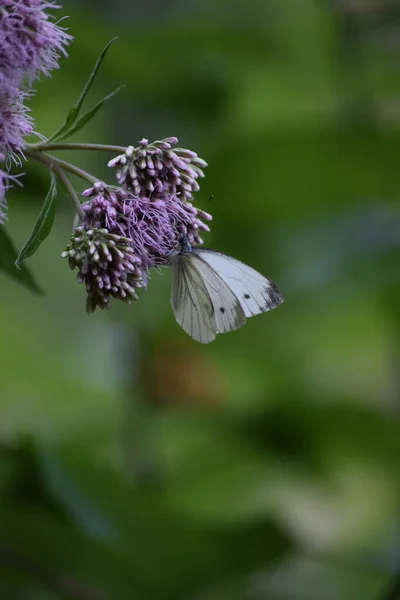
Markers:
(184, 244)
(184, 247)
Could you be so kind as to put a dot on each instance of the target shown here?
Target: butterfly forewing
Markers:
(229, 314)
(255, 292)
(191, 302)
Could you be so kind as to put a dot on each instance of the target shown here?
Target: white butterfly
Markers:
(213, 293)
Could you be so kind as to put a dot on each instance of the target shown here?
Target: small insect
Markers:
(214, 293)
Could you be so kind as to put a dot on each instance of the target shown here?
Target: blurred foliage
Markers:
(137, 464)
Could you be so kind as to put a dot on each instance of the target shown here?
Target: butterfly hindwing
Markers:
(191, 302)
(255, 292)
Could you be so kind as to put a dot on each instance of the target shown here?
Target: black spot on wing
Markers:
(246, 296)
(222, 309)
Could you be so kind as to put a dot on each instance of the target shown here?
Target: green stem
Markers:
(70, 190)
(58, 167)
(72, 169)
(56, 146)
(49, 160)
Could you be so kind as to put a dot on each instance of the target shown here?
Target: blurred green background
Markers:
(137, 464)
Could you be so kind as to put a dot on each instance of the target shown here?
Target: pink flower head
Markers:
(3, 202)
(156, 169)
(15, 123)
(6, 181)
(122, 236)
(30, 42)
(106, 265)
(153, 226)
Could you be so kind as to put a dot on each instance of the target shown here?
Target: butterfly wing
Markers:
(255, 292)
(228, 311)
(203, 303)
(191, 302)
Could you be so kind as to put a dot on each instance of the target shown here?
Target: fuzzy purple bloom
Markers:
(15, 123)
(153, 226)
(156, 169)
(6, 181)
(3, 203)
(106, 265)
(150, 229)
(30, 43)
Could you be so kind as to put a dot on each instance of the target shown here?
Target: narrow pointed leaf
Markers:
(43, 224)
(73, 113)
(8, 255)
(93, 75)
(71, 117)
(88, 116)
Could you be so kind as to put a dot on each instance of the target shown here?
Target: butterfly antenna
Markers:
(199, 214)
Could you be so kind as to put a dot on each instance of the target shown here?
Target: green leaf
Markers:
(8, 255)
(71, 117)
(73, 113)
(89, 114)
(43, 224)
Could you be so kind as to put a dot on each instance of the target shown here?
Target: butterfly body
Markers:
(214, 293)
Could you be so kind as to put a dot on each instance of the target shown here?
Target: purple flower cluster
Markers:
(6, 181)
(15, 123)
(30, 44)
(106, 265)
(147, 222)
(157, 169)
(3, 204)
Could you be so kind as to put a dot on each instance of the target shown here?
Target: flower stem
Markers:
(49, 160)
(72, 169)
(58, 167)
(70, 189)
(56, 146)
